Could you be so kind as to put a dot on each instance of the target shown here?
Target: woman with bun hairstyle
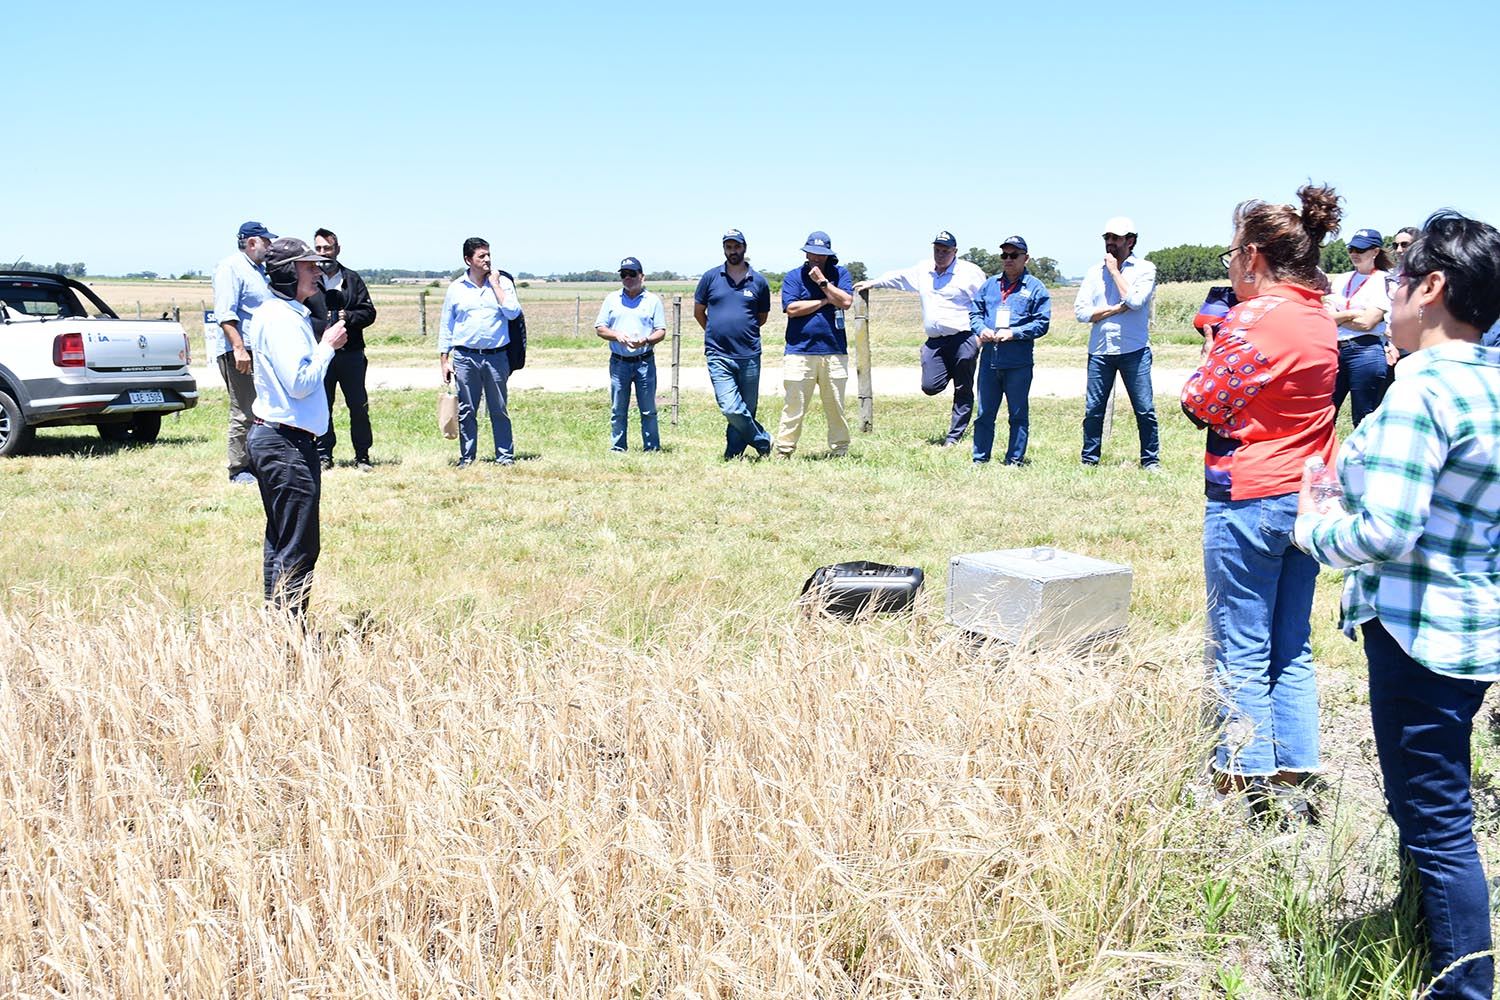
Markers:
(1264, 393)
(1359, 305)
(1418, 543)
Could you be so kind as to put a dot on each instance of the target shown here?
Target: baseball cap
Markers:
(289, 250)
(250, 229)
(945, 239)
(1015, 241)
(631, 264)
(733, 234)
(1364, 239)
(818, 242)
(1120, 225)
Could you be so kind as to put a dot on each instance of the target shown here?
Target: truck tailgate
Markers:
(127, 346)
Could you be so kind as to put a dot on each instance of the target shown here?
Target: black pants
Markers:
(952, 359)
(285, 463)
(347, 372)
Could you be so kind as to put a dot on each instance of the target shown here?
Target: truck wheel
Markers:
(143, 428)
(14, 434)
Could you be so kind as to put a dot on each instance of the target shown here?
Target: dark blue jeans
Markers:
(639, 371)
(1362, 376)
(736, 383)
(952, 359)
(482, 373)
(1135, 369)
(1423, 722)
(994, 385)
(285, 463)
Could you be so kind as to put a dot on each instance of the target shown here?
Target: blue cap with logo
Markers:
(631, 264)
(945, 239)
(250, 229)
(818, 242)
(1015, 241)
(733, 234)
(1365, 239)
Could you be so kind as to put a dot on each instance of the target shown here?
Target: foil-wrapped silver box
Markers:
(1040, 594)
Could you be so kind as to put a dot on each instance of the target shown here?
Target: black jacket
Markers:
(354, 306)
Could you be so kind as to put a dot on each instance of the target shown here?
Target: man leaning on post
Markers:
(731, 304)
(239, 287)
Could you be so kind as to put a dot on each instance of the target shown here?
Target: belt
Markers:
(615, 356)
(478, 350)
(950, 333)
(1364, 340)
(284, 427)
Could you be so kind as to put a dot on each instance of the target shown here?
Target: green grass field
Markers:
(561, 731)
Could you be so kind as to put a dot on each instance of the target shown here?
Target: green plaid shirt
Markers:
(1421, 478)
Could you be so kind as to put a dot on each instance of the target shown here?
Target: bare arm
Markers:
(700, 313)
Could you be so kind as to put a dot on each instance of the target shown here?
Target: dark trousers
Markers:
(1423, 722)
(347, 372)
(1135, 369)
(952, 359)
(285, 463)
(1362, 375)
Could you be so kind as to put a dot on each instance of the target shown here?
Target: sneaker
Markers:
(464, 463)
(326, 463)
(1154, 468)
(363, 464)
(244, 478)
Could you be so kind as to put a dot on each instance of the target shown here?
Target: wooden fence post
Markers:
(862, 364)
(422, 310)
(676, 355)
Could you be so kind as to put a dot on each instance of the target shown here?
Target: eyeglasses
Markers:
(1393, 282)
(1010, 256)
(1227, 255)
(1402, 246)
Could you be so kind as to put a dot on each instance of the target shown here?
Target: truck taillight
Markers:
(67, 350)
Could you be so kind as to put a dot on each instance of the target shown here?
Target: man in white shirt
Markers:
(291, 412)
(946, 286)
(1115, 298)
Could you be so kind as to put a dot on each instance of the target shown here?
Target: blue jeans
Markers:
(1260, 595)
(1423, 722)
(1013, 385)
(625, 372)
(1135, 368)
(476, 373)
(1363, 375)
(736, 384)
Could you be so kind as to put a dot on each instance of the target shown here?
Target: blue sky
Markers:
(570, 135)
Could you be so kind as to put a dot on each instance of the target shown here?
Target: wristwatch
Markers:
(823, 283)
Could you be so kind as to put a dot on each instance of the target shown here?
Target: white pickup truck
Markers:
(66, 358)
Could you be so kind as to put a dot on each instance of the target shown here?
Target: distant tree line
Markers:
(1191, 262)
(1044, 269)
(78, 270)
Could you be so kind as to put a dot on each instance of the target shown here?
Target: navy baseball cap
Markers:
(1365, 239)
(945, 239)
(1015, 241)
(631, 264)
(250, 229)
(818, 242)
(733, 234)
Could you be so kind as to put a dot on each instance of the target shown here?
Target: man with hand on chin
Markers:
(291, 412)
(815, 297)
(633, 322)
(1115, 298)
(472, 338)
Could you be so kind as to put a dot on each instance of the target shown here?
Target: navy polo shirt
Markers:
(732, 329)
(821, 332)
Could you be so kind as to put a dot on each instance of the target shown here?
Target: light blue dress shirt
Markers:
(289, 366)
(239, 287)
(474, 317)
(637, 318)
(1129, 331)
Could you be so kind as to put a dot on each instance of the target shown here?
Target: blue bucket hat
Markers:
(818, 242)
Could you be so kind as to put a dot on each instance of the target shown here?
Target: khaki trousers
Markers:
(800, 373)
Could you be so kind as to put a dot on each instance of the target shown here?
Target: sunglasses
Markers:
(1010, 256)
(1403, 245)
(630, 274)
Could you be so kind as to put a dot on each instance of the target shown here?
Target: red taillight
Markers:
(67, 350)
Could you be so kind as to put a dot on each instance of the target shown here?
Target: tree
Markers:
(856, 270)
(1046, 271)
(80, 270)
(1189, 262)
(1335, 258)
(987, 262)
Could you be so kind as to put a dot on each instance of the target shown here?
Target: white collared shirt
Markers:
(289, 366)
(1130, 330)
(946, 297)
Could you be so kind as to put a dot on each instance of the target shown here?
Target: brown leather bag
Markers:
(448, 413)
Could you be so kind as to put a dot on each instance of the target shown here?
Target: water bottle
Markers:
(1326, 491)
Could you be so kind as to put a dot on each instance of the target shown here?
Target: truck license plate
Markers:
(139, 396)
